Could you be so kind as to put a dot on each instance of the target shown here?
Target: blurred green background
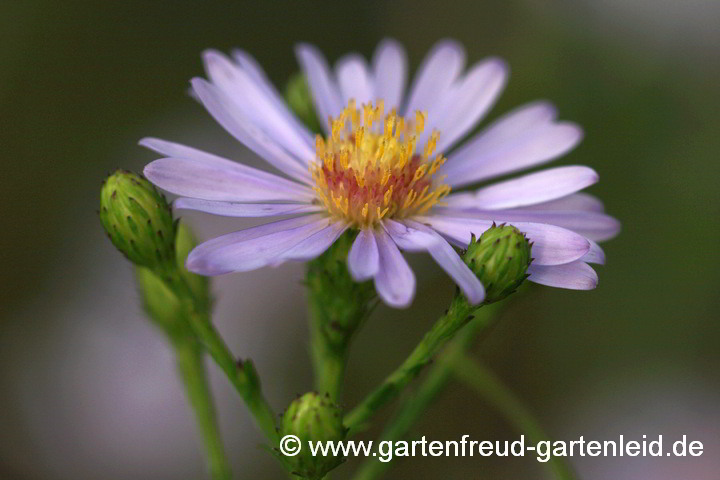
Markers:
(87, 388)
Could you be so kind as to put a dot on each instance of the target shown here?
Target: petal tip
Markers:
(147, 142)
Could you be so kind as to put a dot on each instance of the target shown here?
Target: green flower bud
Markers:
(312, 418)
(138, 220)
(500, 258)
(299, 99)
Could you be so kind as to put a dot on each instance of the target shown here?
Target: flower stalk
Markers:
(500, 258)
(437, 379)
(189, 359)
(241, 373)
(456, 317)
(338, 308)
(172, 315)
(139, 222)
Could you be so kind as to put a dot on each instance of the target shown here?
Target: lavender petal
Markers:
(439, 69)
(221, 107)
(389, 66)
(521, 139)
(254, 103)
(325, 93)
(316, 244)
(394, 281)
(253, 248)
(529, 189)
(355, 80)
(208, 182)
(592, 225)
(574, 276)
(551, 245)
(473, 97)
(235, 209)
(413, 236)
(364, 258)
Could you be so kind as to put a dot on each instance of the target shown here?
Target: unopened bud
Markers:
(138, 220)
(499, 258)
(313, 418)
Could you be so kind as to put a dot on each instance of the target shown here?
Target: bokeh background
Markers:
(87, 387)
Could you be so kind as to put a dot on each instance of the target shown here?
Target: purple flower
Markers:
(376, 171)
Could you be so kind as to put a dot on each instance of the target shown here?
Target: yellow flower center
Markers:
(367, 169)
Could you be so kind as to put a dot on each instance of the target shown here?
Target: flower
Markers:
(377, 171)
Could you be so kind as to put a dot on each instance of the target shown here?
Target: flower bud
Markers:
(499, 258)
(312, 418)
(138, 220)
(299, 99)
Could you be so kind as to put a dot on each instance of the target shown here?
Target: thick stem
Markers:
(328, 361)
(459, 314)
(189, 359)
(338, 308)
(328, 365)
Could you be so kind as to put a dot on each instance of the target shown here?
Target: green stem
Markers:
(328, 365)
(486, 384)
(457, 316)
(413, 407)
(329, 359)
(338, 308)
(189, 359)
(242, 374)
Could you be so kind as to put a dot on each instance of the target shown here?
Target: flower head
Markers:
(367, 168)
(380, 168)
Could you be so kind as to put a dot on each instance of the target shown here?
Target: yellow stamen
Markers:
(420, 172)
(366, 172)
(388, 195)
(419, 121)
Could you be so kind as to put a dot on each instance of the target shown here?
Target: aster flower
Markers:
(377, 170)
